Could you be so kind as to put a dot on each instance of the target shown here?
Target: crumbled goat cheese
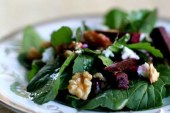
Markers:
(108, 53)
(48, 55)
(144, 36)
(79, 51)
(143, 70)
(128, 53)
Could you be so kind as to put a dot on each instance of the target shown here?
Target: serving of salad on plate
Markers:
(123, 65)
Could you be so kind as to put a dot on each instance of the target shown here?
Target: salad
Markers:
(124, 65)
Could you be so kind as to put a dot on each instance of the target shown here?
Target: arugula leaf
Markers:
(36, 66)
(78, 34)
(106, 61)
(61, 36)
(143, 96)
(119, 43)
(30, 39)
(74, 101)
(89, 51)
(115, 19)
(65, 77)
(136, 21)
(146, 46)
(142, 21)
(83, 63)
(85, 27)
(111, 99)
(45, 85)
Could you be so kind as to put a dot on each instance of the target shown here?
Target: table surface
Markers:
(19, 13)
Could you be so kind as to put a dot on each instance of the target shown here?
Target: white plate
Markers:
(11, 71)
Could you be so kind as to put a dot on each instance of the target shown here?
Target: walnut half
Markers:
(80, 85)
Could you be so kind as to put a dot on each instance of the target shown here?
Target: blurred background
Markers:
(15, 14)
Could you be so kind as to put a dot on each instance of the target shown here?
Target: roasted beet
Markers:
(135, 38)
(120, 80)
(122, 65)
(161, 40)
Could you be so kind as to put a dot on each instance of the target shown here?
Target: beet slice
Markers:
(120, 80)
(122, 65)
(161, 40)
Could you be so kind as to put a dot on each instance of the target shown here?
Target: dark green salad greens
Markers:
(124, 67)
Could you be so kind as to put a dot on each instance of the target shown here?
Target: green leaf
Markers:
(146, 46)
(85, 27)
(136, 21)
(31, 39)
(78, 34)
(106, 61)
(119, 43)
(36, 66)
(45, 85)
(83, 63)
(143, 96)
(124, 39)
(61, 36)
(115, 19)
(142, 20)
(89, 51)
(65, 77)
(111, 99)
(74, 101)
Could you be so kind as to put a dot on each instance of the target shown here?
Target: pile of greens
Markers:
(48, 78)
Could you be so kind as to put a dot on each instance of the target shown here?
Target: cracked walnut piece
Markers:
(154, 75)
(80, 85)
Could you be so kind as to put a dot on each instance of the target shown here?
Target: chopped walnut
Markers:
(33, 54)
(95, 39)
(75, 45)
(46, 44)
(80, 85)
(148, 71)
(100, 76)
(67, 53)
(154, 75)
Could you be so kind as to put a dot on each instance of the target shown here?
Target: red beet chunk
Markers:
(161, 40)
(135, 38)
(120, 80)
(122, 65)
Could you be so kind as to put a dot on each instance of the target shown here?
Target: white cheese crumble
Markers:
(128, 53)
(48, 55)
(144, 36)
(143, 70)
(108, 53)
(79, 51)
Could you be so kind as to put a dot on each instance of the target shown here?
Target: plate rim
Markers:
(16, 108)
